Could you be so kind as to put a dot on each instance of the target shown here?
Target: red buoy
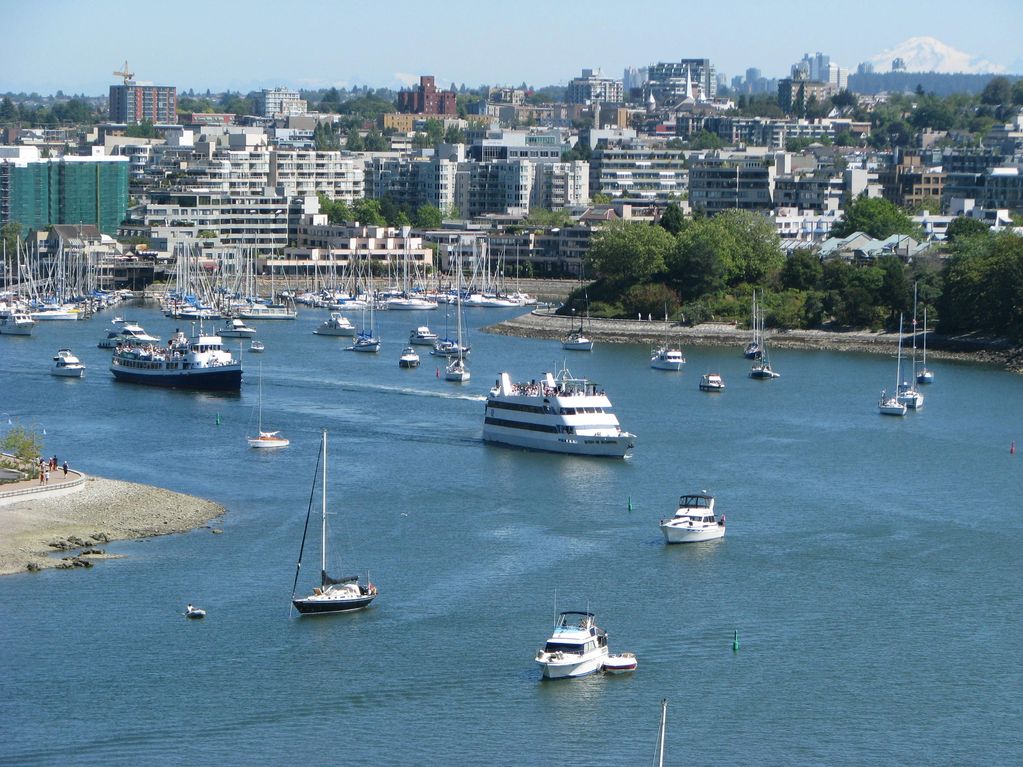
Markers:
(1012, 448)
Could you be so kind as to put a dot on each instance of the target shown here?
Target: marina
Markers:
(806, 573)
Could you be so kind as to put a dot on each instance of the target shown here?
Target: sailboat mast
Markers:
(660, 733)
(898, 362)
(323, 521)
(914, 330)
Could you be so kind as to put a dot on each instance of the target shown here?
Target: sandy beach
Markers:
(540, 324)
(38, 531)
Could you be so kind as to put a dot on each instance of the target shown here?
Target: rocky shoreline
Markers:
(35, 529)
(541, 324)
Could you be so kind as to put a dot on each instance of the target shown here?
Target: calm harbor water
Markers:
(871, 565)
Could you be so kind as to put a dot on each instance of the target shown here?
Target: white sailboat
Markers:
(925, 376)
(667, 357)
(457, 370)
(890, 405)
(333, 595)
(265, 438)
(761, 369)
(753, 348)
(908, 395)
(659, 751)
(366, 341)
(576, 340)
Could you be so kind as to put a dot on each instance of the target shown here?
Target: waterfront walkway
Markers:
(24, 489)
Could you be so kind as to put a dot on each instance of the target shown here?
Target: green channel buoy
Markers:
(218, 419)
(630, 503)
(735, 641)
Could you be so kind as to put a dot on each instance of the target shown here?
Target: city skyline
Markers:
(76, 47)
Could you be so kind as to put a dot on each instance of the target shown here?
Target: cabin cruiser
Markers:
(129, 333)
(576, 648)
(712, 382)
(422, 336)
(694, 521)
(236, 329)
(67, 365)
(667, 359)
(254, 311)
(559, 414)
(17, 324)
(336, 325)
(409, 303)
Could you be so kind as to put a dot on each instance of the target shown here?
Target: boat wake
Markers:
(401, 391)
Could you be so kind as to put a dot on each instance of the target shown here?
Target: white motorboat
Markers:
(195, 613)
(576, 648)
(666, 358)
(408, 358)
(422, 336)
(67, 365)
(410, 304)
(17, 324)
(620, 663)
(265, 439)
(333, 595)
(55, 312)
(257, 346)
(236, 328)
(559, 415)
(694, 521)
(712, 382)
(893, 404)
(336, 325)
(130, 334)
(285, 311)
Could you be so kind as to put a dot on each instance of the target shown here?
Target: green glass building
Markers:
(71, 190)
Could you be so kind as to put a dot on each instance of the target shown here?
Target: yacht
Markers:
(67, 365)
(667, 359)
(556, 414)
(257, 346)
(17, 324)
(55, 312)
(410, 303)
(694, 521)
(408, 358)
(576, 648)
(336, 325)
(236, 329)
(269, 312)
(129, 333)
(422, 336)
(200, 362)
(712, 382)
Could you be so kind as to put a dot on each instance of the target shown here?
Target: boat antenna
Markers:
(305, 531)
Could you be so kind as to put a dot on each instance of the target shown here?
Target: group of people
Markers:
(46, 465)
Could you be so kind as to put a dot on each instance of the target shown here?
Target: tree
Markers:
(143, 129)
(455, 135)
(354, 142)
(877, 217)
(8, 111)
(1017, 92)
(962, 226)
(11, 236)
(997, 92)
(376, 142)
(706, 140)
(802, 271)
(650, 299)
(672, 219)
(844, 99)
(756, 253)
(629, 251)
(26, 446)
(367, 212)
(893, 293)
(983, 286)
(701, 259)
(600, 198)
(337, 211)
(428, 217)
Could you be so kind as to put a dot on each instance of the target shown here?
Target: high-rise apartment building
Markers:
(672, 82)
(134, 102)
(591, 88)
(279, 101)
(427, 100)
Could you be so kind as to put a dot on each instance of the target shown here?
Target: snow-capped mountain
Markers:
(927, 54)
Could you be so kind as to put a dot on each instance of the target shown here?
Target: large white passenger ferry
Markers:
(201, 362)
(558, 414)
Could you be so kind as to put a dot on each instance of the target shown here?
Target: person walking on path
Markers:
(46, 481)
(42, 476)
(64, 467)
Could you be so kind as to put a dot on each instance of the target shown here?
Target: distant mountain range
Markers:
(927, 54)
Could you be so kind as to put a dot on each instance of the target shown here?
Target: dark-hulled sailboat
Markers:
(333, 595)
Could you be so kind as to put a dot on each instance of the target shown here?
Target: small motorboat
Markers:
(256, 346)
(666, 358)
(236, 329)
(191, 611)
(336, 325)
(408, 358)
(577, 647)
(712, 382)
(620, 663)
(67, 365)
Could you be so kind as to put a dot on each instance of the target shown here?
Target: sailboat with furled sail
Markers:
(333, 595)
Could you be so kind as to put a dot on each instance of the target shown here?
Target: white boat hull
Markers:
(657, 364)
(583, 345)
(682, 533)
(68, 372)
(260, 442)
(570, 667)
(609, 446)
(344, 332)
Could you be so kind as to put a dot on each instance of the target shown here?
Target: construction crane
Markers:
(126, 73)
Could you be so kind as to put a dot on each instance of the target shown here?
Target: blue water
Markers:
(871, 565)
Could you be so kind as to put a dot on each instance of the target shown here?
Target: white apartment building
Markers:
(638, 171)
(279, 101)
(561, 185)
(330, 250)
(300, 173)
(592, 88)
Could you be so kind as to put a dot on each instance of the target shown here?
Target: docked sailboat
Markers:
(924, 375)
(266, 439)
(333, 595)
(890, 404)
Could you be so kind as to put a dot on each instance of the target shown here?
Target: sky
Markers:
(76, 45)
